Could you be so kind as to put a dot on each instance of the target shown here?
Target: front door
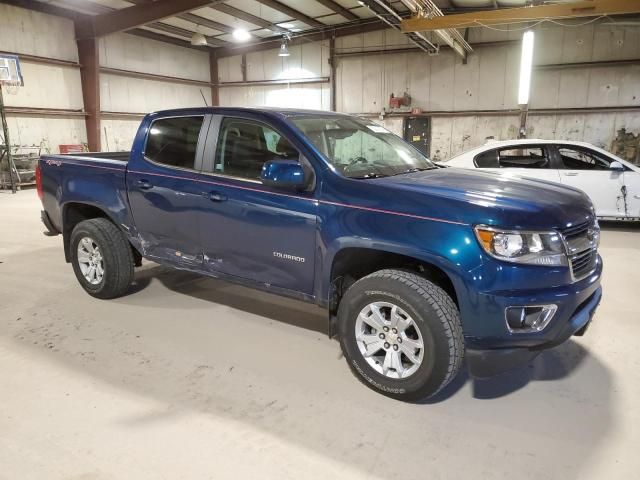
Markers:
(632, 192)
(164, 193)
(249, 230)
(589, 171)
(418, 133)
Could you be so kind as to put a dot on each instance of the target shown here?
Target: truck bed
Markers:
(96, 179)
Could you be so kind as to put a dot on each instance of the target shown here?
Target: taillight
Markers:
(39, 182)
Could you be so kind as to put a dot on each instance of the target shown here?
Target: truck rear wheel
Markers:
(101, 257)
(401, 334)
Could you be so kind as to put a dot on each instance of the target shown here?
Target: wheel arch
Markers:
(353, 261)
(75, 212)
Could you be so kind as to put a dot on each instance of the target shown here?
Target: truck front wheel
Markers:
(401, 334)
(101, 257)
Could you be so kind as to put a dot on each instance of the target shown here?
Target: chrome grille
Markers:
(582, 247)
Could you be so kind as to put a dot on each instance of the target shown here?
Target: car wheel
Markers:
(102, 258)
(401, 334)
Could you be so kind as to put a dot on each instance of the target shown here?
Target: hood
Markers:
(494, 199)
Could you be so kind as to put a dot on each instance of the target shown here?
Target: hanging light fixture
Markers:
(284, 50)
(198, 39)
(241, 35)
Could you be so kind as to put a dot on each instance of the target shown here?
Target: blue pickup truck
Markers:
(418, 266)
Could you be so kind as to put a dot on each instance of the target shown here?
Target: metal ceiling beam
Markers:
(292, 12)
(247, 17)
(584, 8)
(450, 37)
(363, 26)
(186, 34)
(205, 22)
(339, 9)
(389, 15)
(136, 16)
(197, 19)
(76, 16)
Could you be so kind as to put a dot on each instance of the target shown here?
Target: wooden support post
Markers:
(332, 76)
(213, 68)
(243, 67)
(90, 77)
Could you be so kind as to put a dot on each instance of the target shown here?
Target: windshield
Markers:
(358, 148)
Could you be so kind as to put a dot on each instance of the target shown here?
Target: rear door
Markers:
(250, 230)
(164, 192)
(527, 160)
(589, 171)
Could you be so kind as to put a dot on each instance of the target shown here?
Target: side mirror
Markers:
(285, 174)
(617, 166)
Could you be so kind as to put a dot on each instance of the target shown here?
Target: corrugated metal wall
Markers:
(441, 83)
(52, 86)
(305, 62)
(137, 95)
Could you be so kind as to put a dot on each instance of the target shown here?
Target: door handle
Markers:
(144, 185)
(216, 197)
(571, 174)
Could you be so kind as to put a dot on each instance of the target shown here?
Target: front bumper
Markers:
(492, 348)
(488, 362)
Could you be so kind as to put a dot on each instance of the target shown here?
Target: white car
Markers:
(612, 183)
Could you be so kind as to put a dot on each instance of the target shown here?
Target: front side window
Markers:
(523, 157)
(244, 146)
(174, 141)
(358, 148)
(573, 159)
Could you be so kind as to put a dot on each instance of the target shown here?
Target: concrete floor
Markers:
(189, 377)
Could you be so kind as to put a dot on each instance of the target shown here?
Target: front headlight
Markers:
(534, 248)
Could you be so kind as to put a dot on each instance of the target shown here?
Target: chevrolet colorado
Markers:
(418, 266)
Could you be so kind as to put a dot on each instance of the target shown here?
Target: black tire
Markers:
(433, 312)
(116, 254)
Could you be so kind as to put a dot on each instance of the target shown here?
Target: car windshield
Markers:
(358, 148)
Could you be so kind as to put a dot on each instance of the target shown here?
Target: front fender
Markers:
(449, 247)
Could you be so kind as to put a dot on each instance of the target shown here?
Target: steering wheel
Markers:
(353, 162)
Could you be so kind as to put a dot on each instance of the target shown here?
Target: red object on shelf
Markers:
(78, 148)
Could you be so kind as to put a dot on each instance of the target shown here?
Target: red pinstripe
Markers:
(259, 190)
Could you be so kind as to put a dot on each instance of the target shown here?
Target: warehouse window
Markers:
(523, 157)
(173, 141)
(573, 159)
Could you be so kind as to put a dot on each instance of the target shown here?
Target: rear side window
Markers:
(488, 159)
(174, 141)
(523, 157)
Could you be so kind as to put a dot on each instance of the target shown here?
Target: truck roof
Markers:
(269, 111)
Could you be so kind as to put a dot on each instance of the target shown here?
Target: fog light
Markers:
(529, 319)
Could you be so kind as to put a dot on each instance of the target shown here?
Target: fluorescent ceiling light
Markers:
(198, 39)
(526, 60)
(241, 35)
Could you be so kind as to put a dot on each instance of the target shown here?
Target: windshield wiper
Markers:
(370, 175)
(415, 169)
